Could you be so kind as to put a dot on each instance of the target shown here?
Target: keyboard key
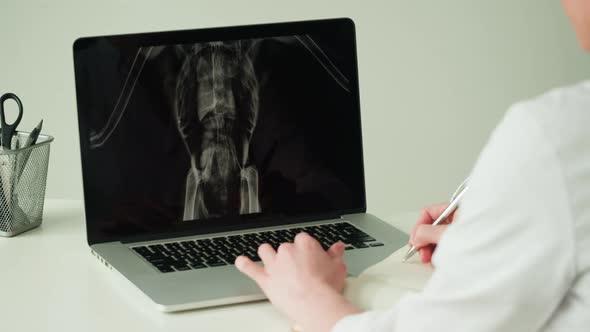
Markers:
(157, 261)
(365, 238)
(212, 259)
(180, 267)
(142, 250)
(193, 261)
(216, 263)
(229, 259)
(376, 244)
(165, 269)
(156, 248)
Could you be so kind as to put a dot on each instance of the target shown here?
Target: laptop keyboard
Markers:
(223, 250)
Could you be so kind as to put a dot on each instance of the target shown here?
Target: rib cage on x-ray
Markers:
(216, 104)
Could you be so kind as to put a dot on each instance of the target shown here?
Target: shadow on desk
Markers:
(61, 218)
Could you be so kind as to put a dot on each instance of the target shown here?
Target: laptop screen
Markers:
(233, 127)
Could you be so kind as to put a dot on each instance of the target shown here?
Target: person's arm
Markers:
(303, 281)
(508, 259)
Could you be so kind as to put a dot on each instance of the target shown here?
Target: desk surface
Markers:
(49, 281)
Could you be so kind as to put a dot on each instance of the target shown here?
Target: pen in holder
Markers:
(23, 176)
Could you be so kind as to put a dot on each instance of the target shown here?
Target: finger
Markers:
(426, 253)
(428, 216)
(285, 247)
(266, 253)
(251, 269)
(430, 213)
(306, 240)
(428, 234)
(336, 250)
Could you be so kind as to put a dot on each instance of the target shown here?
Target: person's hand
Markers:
(303, 281)
(425, 236)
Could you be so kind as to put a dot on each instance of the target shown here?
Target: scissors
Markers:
(8, 130)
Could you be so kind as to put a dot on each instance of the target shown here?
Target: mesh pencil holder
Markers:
(23, 176)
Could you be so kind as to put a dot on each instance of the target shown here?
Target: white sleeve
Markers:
(508, 260)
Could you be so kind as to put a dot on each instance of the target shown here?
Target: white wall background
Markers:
(435, 76)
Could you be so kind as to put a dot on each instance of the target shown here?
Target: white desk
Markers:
(49, 281)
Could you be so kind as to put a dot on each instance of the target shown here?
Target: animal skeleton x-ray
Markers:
(215, 106)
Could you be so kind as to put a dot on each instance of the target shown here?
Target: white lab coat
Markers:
(517, 257)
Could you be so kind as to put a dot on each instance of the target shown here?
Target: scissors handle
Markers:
(8, 130)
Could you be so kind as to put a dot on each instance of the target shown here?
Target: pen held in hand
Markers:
(444, 215)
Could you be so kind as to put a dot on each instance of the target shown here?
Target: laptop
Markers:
(199, 145)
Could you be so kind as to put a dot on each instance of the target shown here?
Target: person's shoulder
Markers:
(546, 125)
(560, 105)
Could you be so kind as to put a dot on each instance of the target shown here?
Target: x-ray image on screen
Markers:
(215, 97)
(208, 130)
(216, 108)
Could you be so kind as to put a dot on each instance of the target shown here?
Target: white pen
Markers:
(454, 203)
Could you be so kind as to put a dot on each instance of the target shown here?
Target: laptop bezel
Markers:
(214, 34)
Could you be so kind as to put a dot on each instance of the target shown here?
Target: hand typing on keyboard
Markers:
(303, 281)
(222, 250)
